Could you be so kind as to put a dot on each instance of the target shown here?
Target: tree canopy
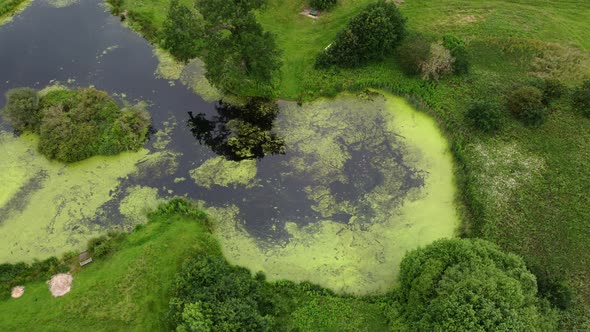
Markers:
(469, 285)
(240, 57)
(371, 35)
(182, 32)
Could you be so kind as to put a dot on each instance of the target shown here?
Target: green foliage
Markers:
(581, 99)
(485, 116)
(9, 6)
(526, 103)
(144, 22)
(439, 63)
(459, 52)
(116, 6)
(241, 58)
(552, 89)
(370, 36)
(105, 245)
(322, 4)
(412, 53)
(182, 33)
(469, 285)
(211, 293)
(22, 109)
(75, 125)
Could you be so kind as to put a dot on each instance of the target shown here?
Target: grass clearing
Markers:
(128, 291)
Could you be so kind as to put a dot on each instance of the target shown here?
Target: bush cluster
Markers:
(369, 36)
(211, 295)
(75, 125)
(322, 4)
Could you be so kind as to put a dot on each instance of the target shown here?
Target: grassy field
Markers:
(126, 292)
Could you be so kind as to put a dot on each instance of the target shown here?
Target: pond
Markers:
(363, 179)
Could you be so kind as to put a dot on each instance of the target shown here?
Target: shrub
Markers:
(413, 52)
(439, 63)
(526, 103)
(369, 36)
(22, 109)
(485, 116)
(210, 293)
(469, 285)
(459, 52)
(581, 99)
(322, 4)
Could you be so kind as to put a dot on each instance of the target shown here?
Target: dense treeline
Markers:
(75, 125)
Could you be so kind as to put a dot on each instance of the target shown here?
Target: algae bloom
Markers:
(379, 178)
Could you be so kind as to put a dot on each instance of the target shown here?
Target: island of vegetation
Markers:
(74, 125)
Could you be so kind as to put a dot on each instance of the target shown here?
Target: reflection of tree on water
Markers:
(240, 132)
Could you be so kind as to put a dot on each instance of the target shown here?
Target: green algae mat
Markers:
(380, 176)
(365, 179)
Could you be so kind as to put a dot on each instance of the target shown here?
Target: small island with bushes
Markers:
(74, 125)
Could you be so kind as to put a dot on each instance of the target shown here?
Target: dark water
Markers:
(45, 44)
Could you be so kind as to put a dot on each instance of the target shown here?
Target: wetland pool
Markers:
(364, 178)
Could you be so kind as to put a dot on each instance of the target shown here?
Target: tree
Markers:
(485, 116)
(182, 32)
(241, 58)
(369, 36)
(581, 99)
(470, 285)
(22, 109)
(526, 103)
(439, 63)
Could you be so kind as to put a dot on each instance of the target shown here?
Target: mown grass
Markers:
(128, 291)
